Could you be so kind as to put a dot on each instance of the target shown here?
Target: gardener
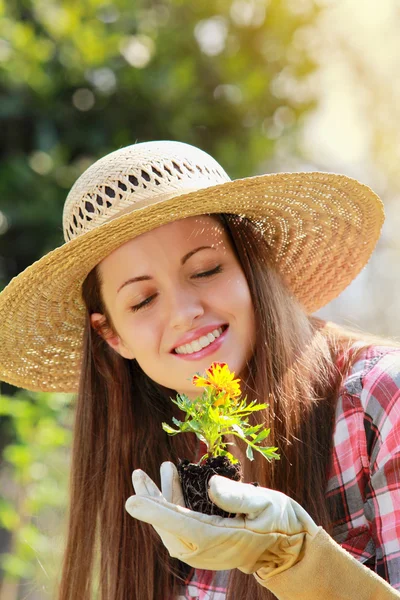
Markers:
(169, 266)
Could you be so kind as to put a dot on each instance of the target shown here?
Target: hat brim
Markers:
(321, 229)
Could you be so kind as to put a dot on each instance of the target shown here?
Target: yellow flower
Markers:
(219, 377)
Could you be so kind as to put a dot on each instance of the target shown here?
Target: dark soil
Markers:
(195, 478)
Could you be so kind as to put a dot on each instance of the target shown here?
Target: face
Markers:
(178, 300)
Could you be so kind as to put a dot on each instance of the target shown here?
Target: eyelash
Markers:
(217, 269)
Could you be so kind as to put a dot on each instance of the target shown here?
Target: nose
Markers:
(185, 308)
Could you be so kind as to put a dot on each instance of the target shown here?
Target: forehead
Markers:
(172, 239)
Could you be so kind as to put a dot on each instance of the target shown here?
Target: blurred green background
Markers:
(263, 86)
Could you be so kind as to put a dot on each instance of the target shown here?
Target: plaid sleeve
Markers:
(205, 585)
(380, 398)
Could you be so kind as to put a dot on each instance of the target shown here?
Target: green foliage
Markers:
(213, 415)
(34, 486)
(80, 79)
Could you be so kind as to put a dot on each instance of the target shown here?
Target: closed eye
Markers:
(147, 301)
(217, 269)
(142, 304)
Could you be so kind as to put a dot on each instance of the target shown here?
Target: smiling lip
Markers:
(198, 333)
(210, 349)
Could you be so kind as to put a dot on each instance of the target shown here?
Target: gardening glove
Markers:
(268, 532)
(171, 494)
(294, 566)
(326, 572)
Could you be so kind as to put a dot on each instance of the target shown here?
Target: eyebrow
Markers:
(147, 277)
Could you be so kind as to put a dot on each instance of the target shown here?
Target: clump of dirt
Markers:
(194, 480)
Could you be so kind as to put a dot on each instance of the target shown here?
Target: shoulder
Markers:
(375, 373)
(371, 390)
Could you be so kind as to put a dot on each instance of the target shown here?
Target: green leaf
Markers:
(186, 426)
(238, 430)
(269, 452)
(252, 407)
(169, 429)
(176, 422)
(264, 433)
(252, 430)
(249, 453)
(213, 414)
(195, 425)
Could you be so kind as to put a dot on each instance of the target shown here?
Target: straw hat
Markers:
(321, 229)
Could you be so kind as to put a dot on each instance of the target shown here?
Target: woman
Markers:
(163, 250)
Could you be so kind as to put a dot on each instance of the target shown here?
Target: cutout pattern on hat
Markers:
(126, 178)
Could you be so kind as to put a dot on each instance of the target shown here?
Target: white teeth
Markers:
(202, 342)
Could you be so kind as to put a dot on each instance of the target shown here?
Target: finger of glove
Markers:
(196, 541)
(174, 542)
(144, 485)
(177, 520)
(265, 510)
(242, 498)
(170, 484)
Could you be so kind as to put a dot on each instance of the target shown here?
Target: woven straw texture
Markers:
(321, 229)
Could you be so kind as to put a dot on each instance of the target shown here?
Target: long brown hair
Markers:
(118, 428)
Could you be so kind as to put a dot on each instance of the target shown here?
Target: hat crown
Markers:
(134, 177)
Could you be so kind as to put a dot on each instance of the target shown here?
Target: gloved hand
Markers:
(268, 533)
(271, 534)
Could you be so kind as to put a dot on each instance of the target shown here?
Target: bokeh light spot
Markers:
(211, 35)
(40, 162)
(137, 50)
(83, 99)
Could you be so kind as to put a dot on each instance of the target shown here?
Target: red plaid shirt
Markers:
(364, 478)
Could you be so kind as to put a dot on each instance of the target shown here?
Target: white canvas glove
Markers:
(268, 533)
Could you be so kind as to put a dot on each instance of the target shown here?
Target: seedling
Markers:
(219, 411)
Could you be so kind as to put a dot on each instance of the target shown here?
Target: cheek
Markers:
(238, 292)
(140, 335)
(242, 304)
(233, 295)
(147, 336)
